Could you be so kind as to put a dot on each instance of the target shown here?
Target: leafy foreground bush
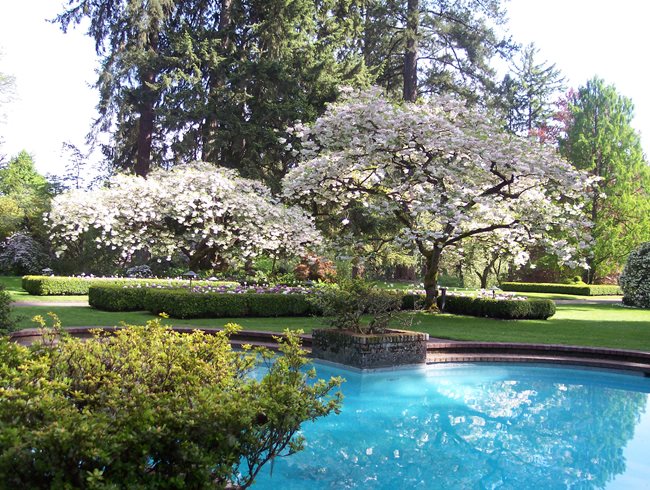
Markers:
(577, 289)
(151, 408)
(635, 279)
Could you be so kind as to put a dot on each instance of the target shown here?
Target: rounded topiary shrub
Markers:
(635, 279)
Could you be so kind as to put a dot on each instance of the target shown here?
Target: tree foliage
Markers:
(422, 47)
(443, 171)
(213, 80)
(24, 196)
(151, 408)
(527, 95)
(205, 213)
(600, 140)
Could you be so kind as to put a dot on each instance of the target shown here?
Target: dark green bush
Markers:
(531, 309)
(184, 304)
(62, 285)
(117, 298)
(577, 289)
(150, 408)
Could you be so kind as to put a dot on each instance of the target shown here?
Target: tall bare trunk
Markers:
(431, 277)
(145, 126)
(217, 81)
(411, 55)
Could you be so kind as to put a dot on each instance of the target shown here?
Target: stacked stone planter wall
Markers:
(393, 348)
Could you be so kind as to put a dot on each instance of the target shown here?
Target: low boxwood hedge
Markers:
(508, 309)
(577, 289)
(117, 298)
(64, 285)
(181, 303)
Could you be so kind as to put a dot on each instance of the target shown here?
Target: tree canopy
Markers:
(600, 140)
(207, 214)
(443, 171)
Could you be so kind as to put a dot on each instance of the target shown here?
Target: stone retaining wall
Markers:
(394, 348)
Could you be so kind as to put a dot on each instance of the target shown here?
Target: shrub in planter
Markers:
(151, 408)
(346, 302)
(635, 279)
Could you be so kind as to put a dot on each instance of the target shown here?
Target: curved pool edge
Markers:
(438, 350)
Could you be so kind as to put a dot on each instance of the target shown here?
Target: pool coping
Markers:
(438, 350)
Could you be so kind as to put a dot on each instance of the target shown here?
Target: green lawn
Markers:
(13, 284)
(613, 326)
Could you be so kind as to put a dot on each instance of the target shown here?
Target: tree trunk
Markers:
(216, 83)
(411, 54)
(145, 126)
(431, 277)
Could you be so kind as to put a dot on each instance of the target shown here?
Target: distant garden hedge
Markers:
(505, 309)
(63, 285)
(181, 303)
(577, 289)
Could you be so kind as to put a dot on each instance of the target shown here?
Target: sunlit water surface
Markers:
(476, 426)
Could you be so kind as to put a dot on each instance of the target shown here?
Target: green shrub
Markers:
(576, 288)
(117, 298)
(63, 285)
(7, 320)
(181, 303)
(346, 302)
(531, 309)
(269, 304)
(150, 408)
(635, 279)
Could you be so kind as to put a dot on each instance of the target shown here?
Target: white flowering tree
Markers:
(207, 213)
(445, 172)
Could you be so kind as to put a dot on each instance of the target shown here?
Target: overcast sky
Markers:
(54, 71)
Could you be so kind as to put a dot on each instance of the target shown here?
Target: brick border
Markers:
(438, 350)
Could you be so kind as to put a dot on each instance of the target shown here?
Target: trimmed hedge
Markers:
(117, 298)
(530, 309)
(63, 285)
(181, 303)
(577, 289)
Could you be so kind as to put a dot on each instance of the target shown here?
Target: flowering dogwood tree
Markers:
(210, 214)
(445, 172)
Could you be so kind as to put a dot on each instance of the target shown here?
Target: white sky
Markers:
(54, 71)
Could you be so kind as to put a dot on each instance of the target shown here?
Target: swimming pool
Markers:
(477, 426)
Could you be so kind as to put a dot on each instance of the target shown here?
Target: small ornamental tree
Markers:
(442, 171)
(206, 213)
(151, 408)
(635, 279)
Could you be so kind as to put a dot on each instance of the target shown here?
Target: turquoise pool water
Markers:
(476, 426)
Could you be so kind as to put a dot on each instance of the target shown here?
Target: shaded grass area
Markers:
(612, 326)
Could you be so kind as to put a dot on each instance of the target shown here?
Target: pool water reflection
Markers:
(475, 426)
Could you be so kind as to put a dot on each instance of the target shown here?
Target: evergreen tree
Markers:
(419, 47)
(600, 139)
(527, 94)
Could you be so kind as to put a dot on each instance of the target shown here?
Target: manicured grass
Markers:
(613, 326)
